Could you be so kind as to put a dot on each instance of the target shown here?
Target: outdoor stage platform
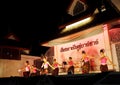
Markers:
(107, 78)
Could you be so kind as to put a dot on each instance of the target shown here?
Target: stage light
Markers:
(77, 24)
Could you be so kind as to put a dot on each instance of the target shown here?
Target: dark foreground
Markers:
(108, 78)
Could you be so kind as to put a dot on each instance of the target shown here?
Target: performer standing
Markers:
(33, 70)
(70, 66)
(45, 66)
(56, 67)
(27, 68)
(103, 61)
(86, 63)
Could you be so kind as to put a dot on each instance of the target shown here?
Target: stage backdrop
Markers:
(91, 45)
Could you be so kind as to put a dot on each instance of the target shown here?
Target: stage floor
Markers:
(65, 73)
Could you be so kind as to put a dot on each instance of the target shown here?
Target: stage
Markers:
(107, 78)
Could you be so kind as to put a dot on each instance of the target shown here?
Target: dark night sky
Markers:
(37, 22)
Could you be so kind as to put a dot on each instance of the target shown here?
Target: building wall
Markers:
(114, 34)
(10, 68)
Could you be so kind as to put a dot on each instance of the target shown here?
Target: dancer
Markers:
(55, 64)
(45, 66)
(64, 66)
(70, 66)
(33, 71)
(103, 61)
(26, 70)
(86, 63)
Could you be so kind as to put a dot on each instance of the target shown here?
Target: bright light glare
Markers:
(77, 24)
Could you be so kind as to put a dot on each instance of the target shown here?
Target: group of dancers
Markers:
(103, 62)
(32, 70)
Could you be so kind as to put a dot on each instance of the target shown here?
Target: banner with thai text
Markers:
(90, 45)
